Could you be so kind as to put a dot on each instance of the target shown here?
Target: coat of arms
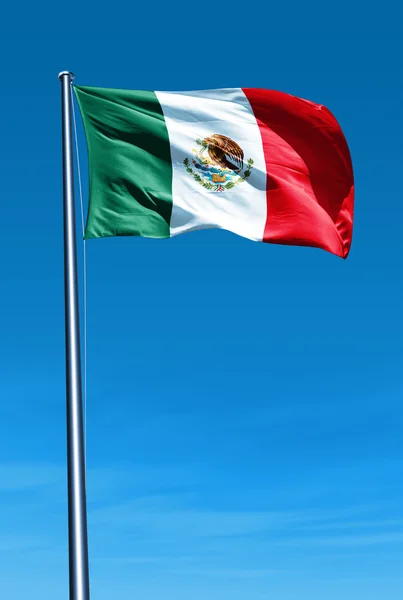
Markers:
(218, 163)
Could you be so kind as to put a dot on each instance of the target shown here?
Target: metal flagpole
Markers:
(78, 544)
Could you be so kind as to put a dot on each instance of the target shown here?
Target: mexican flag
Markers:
(263, 164)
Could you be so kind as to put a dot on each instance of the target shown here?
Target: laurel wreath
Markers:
(205, 182)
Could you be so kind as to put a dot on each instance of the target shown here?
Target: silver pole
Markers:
(78, 544)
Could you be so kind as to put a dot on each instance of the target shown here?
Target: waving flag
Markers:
(263, 164)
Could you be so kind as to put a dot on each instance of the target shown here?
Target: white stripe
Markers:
(196, 115)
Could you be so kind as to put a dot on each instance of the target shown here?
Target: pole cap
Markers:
(68, 73)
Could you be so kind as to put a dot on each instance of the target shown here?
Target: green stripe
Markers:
(129, 163)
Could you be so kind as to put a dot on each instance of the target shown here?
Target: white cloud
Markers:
(16, 477)
(346, 541)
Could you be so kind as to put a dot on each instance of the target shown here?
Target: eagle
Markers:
(224, 152)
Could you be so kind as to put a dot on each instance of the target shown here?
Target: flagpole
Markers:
(77, 510)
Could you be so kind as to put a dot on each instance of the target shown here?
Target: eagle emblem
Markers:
(218, 163)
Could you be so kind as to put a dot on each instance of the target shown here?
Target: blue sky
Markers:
(244, 400)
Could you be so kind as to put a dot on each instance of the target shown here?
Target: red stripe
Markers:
(310, 185)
